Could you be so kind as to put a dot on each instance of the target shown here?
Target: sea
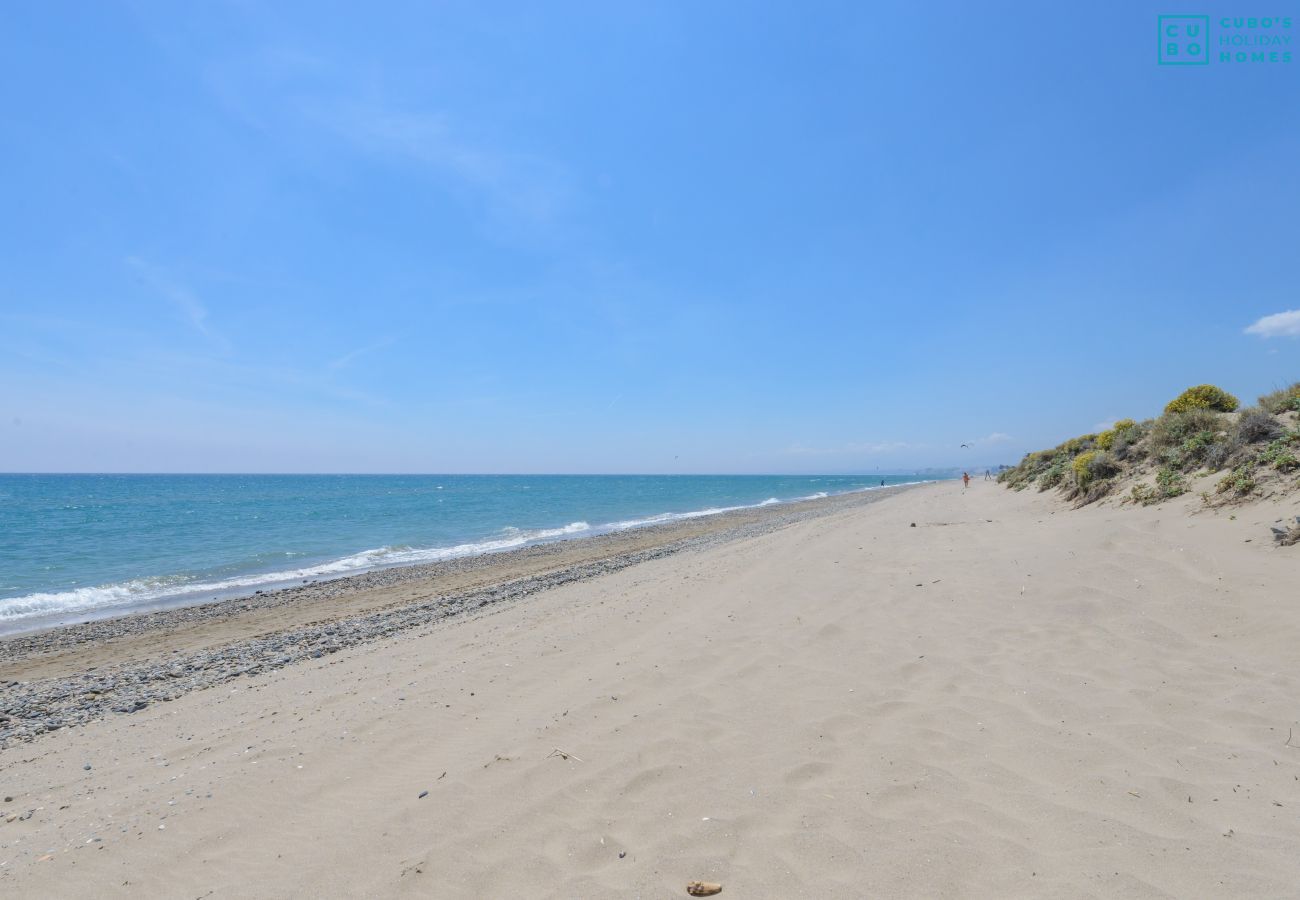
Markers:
(81, 547)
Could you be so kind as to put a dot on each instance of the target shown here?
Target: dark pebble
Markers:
(39, 707)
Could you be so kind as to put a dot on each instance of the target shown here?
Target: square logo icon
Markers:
(1184, 40)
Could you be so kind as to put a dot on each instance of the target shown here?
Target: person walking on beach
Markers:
(988, 476)
(965, 480)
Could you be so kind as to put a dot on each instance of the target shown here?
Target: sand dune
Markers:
(1010, 699)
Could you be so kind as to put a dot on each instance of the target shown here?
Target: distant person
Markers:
(965, 480)
(988, 476)
(882, 482)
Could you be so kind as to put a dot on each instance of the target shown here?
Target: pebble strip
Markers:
(30, 709)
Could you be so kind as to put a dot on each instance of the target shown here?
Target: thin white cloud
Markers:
(348, 358)
(1283, 324)
(310, 104)
(518, 185)
(184, 300)
(302, 98)
(257, 376)
(996, 437)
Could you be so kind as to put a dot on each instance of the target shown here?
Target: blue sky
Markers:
(652, 237)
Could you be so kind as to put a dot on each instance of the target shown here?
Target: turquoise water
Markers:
(84, 546)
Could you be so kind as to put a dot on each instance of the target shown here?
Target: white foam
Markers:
(147, 590)
(713, 511)
(178, 589)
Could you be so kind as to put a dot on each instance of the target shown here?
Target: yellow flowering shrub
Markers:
(1203, 396)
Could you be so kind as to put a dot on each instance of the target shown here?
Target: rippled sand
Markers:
(1010, 699)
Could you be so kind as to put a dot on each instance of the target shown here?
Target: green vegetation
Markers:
(1199, 432)
(1053, 476)
(1186, 439)
(1240, 481)
(1169, 483)
(1047, 468)
(1203, 396)
(1144, 495)
(1080, 466)
(1285, 400)
(1077, 466)
(1106, 440)
(1281, 453)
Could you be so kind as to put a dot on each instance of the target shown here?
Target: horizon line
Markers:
(857, 474)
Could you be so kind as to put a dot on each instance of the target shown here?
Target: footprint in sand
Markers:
(806, 774)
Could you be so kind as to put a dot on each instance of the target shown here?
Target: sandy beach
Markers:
(1008, 699)
(649, 450)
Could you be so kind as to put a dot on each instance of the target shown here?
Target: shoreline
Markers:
(964, 693)
(333, 568)
(71, 674)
